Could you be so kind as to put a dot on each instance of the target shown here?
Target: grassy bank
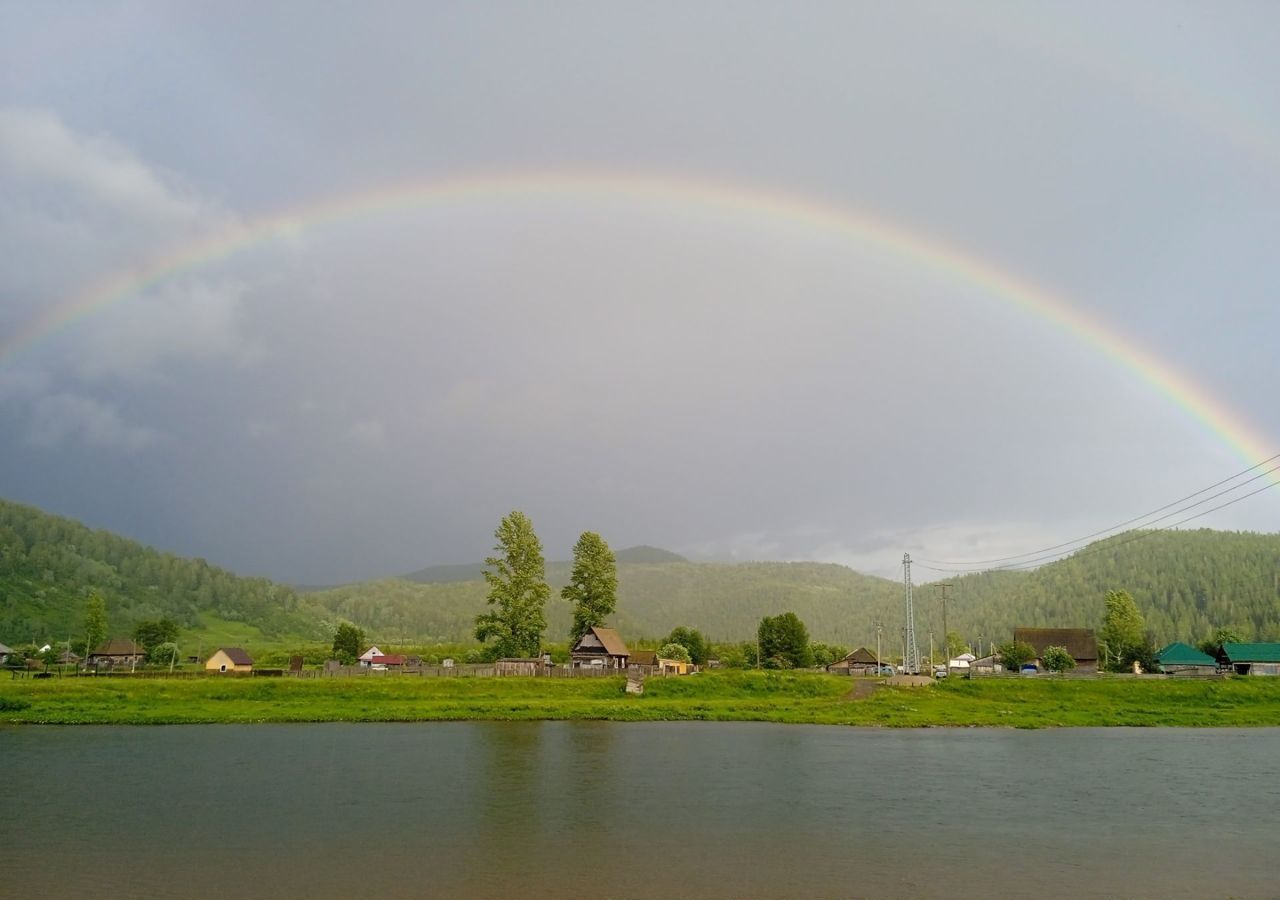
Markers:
(727, 696)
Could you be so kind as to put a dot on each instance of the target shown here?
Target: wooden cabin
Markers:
(599, 646)
(1183, 659)
(860, 662)
(1081, 643)
(1251, 659)
(117, 653)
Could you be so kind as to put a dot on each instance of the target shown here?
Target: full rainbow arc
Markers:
(674, 193)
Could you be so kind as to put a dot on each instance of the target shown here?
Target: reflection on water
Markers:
(629, 810)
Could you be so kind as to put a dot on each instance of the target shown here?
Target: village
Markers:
(602, 651)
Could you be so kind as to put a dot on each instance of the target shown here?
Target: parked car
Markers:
(939, 671)
(1030, 669)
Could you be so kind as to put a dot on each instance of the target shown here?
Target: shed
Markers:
(1251, 659)
(643, 658)
(1081, 643)
(860, 662)
(599, 646)
(387, 661)
(229, 659)
(117, 652)
(985, 665)
(1183, 659)
(516, 665)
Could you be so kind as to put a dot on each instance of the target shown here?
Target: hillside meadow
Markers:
(800, 698)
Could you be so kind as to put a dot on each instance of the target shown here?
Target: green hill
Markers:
(48, 565)
(1187, 583)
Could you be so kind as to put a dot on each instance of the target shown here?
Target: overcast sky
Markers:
(371, 395)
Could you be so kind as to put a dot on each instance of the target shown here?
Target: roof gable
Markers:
(1180, 654)
(118, 647)
(1269, 653)
(861, 656)
(644, 657)
(608, 638)
(237, 656)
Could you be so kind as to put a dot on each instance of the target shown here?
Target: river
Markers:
(601, 810)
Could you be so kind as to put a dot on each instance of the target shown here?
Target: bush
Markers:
(678, 652)
(1013, 654)
(1057, 659)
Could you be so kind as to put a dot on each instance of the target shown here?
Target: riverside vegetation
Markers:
(785, 697)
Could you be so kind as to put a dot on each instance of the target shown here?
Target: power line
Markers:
(928, 563)
(1145, 533)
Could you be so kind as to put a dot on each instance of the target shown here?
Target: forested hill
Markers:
(48, 565)
(1187, 583)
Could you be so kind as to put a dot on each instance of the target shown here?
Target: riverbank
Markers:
(800, 698)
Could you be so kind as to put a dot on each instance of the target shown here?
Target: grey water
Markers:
(559, 809)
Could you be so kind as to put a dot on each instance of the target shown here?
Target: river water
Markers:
(600, 810)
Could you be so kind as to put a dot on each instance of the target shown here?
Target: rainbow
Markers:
(666, 192)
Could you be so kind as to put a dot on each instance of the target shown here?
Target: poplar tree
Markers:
(593, 586)
(95, 622)
(1123, 630)
(517, 588)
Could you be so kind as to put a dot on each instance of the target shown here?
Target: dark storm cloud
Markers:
(374, 394)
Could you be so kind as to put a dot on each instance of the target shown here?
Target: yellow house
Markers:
(229, 659)
(674, 666)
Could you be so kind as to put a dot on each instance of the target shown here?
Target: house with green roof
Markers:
(1251, 659)
(1183, 659)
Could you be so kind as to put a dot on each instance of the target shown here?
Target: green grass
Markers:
(718, 696)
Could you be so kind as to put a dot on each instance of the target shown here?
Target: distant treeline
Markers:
(1186, 583)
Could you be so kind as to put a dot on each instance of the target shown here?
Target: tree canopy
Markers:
(693, 641)
(1124, 631)
(593, 584)
(517, 588)
(784, 642)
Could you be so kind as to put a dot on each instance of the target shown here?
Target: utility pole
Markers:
(910, 651)
(946, 639)
(879, 658)
(930, 649)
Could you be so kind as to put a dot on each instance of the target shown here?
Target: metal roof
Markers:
(1241, 653)
(1180, 654)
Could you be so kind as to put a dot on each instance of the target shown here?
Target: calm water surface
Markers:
(554, 809)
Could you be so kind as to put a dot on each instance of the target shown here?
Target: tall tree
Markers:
(593, 586)
(517, 587)
(347, 639)
(95, 621)
(785, 641)
(1123, 630)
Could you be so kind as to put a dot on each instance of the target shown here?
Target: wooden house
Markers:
(1081, 643)
(117, 653)
(366, 658)
(860, 662)
(1182, 659)
(5, 653)
(1251, 659)
(599, 647)
(229, 659)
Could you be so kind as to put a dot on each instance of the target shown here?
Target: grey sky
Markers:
(372, 395)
